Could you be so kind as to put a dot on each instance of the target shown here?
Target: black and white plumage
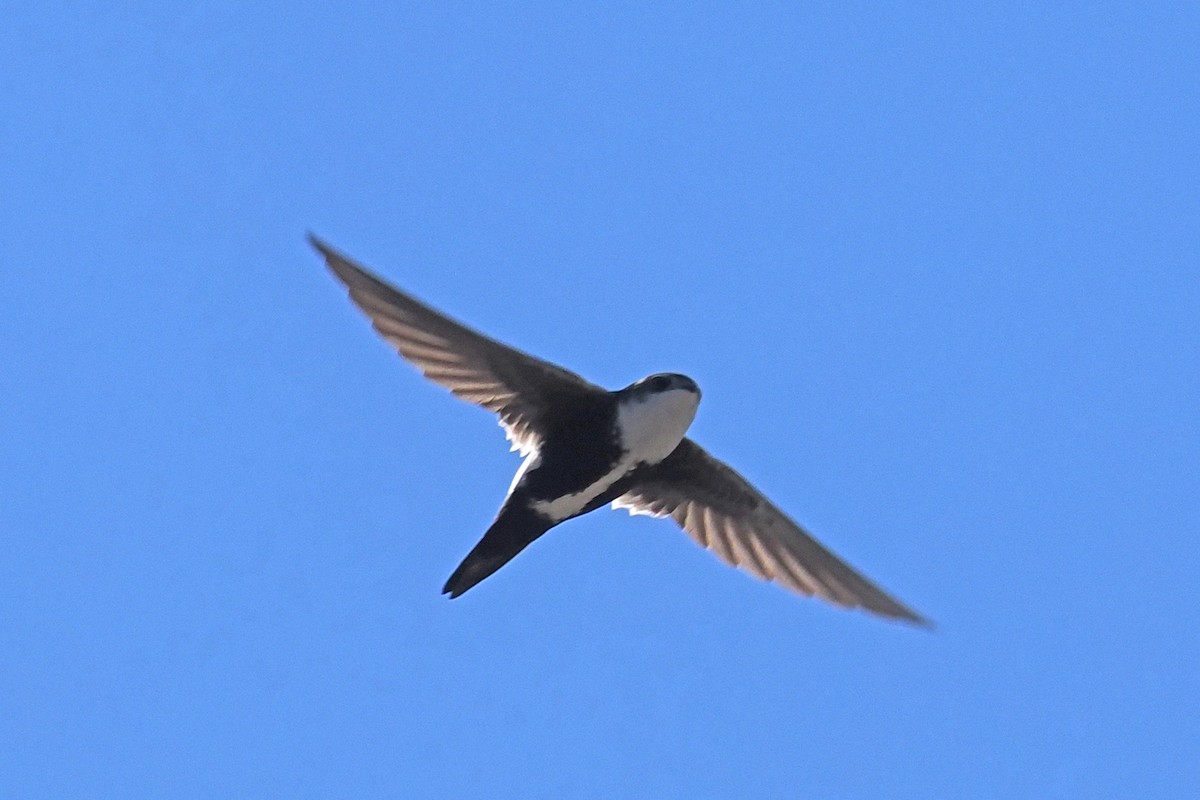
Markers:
(586, 447)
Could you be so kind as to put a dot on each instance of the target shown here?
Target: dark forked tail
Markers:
(515, 527)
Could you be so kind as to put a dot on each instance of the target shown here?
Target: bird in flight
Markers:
(585, 447)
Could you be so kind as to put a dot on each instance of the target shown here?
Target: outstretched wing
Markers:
(721, 510)
(518, 387)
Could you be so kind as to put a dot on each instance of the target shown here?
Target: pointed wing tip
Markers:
(318, 244)
(924, 624)
(886, 609)
(333, 259)
(345, 270)
(904, 616)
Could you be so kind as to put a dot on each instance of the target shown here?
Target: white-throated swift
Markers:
(585, 447)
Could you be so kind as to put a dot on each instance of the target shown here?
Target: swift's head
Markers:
(654, 413)
(661, 383)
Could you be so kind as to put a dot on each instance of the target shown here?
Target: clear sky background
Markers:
(935, 270)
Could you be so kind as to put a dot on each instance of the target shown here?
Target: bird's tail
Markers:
(511, 533)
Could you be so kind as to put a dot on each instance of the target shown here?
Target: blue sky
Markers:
(934, 269)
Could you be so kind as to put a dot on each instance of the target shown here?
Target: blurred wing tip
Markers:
(318, 244)
(905, 616)
(333, 259)
(345, 270)
(924, 623)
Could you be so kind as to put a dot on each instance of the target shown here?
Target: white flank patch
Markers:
(650, 428)
(569, 505)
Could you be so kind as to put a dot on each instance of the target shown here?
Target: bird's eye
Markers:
(660, 383)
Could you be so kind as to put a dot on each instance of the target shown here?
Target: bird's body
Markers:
(585, 447)
(586, 459)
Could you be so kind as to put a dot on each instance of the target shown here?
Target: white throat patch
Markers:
(653, 425)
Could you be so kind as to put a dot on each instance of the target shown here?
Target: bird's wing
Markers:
(721, 510)
(518, 387)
